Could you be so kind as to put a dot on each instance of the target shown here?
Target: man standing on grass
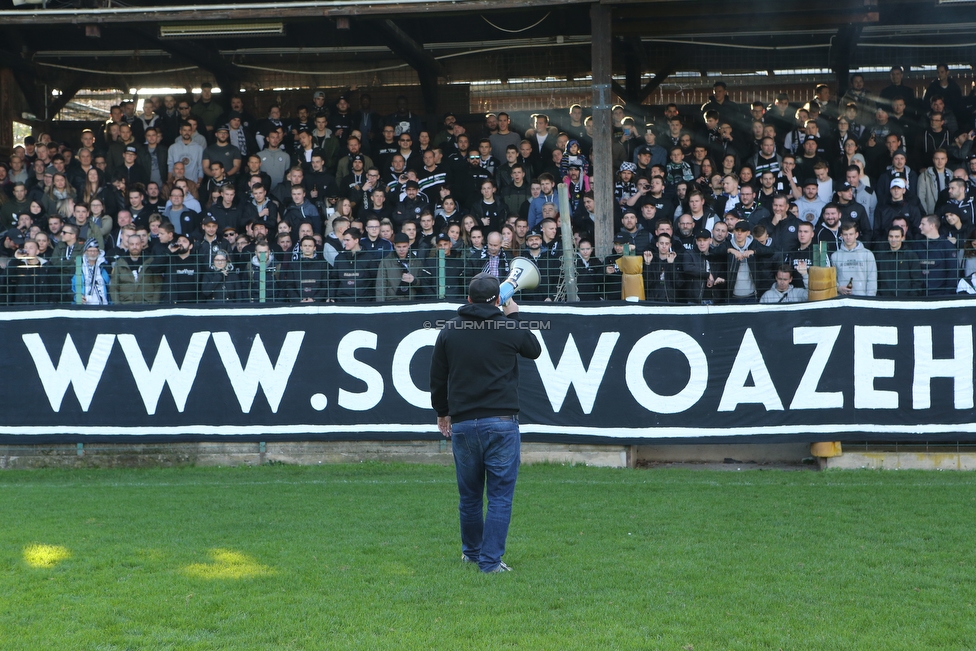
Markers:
(474, 390)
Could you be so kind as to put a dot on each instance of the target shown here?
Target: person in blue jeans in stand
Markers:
(474, 376)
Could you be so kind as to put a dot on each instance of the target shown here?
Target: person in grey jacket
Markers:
(783, 290)
(857, 273)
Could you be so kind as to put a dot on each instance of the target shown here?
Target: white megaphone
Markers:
(523, 275)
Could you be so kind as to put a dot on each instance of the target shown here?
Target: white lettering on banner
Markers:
(959, 367)
(569, 370)
(402, 381)
(70, 369)
(690, 394)
(258, 369)
(867, 367)
(749, 361)
(346, 356)
(164, 370)
(807, 396)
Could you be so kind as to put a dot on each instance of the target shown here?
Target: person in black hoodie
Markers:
(474, 374)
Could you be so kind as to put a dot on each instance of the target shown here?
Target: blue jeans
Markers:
(486, 449)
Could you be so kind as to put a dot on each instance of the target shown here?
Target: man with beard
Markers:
(548, 269)
(224, 152)
(182, 272)
(829, 229)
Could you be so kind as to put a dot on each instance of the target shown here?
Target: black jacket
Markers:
(216, 287)
(663, 281)
(589, 279)
(899, 272)
(466, 383)
(353, 277)
(308, 278)
(696, 268)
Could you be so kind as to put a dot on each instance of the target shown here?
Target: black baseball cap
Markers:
(483, 288)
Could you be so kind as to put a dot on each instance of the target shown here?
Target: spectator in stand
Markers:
(135, 278)
(187, 152)
(354, 270)
(897, 206)
(933, 182)
(746, 261)
(704, 271)
(857, 272)
(937, 257)
(783, 290)
(398, 275)
(899, 272)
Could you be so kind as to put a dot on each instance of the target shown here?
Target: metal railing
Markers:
(913, 273)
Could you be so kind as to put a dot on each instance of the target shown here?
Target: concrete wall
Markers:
(106, 455)
(439, 452)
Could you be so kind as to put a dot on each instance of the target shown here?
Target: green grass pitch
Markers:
(367, 557)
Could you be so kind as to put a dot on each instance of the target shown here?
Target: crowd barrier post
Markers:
(441, 275)
(79, 294)
(569, 249)
(262, 277)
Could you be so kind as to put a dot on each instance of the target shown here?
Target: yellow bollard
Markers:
(825, 449)
(632, 281)
(822, 283)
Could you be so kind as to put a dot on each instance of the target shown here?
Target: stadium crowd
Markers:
(190, 201)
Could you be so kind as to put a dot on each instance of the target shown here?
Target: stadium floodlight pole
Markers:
(569, 249)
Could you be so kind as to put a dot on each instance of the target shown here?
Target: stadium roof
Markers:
(71, 45)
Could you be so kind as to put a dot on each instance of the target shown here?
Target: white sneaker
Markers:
(500, 568)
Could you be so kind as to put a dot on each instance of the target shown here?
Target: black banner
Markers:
(839, 370)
